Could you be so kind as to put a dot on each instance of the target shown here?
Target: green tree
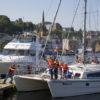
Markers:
(29, 26)
(5, 24)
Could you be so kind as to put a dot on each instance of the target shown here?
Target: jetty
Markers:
(5, 87)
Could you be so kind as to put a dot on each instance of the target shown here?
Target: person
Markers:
(29, 69)
(97, 61)
(11, 71)
(50, 66)
(60, 69)
(93, 61)
(55, 69)
(64, 70)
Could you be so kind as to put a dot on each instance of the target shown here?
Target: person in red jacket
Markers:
(64, 68)
(56, 66)
(10, 74)
(51, 66)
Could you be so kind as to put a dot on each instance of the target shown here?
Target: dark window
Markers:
(93, 75)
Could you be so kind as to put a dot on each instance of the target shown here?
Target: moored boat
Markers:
(23, 50)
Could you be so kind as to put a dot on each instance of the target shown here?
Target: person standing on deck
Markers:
(64, 70)
(29, 69)
(51, 66)
(56, 66)
(10, 74)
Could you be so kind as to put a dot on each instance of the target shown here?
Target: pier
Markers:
(6, 87)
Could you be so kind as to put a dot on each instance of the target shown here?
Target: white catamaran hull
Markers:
(27, 83)
(64, 88)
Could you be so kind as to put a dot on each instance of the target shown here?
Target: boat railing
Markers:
(34, 70)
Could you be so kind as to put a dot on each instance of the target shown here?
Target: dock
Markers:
(5, 87)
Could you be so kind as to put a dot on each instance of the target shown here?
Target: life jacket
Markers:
(56, 63)
(65, 67)
(11, 70)
(50, 63)
(61, 66)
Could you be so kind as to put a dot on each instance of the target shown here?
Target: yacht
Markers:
(24, 49)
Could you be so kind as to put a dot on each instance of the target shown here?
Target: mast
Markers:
(84, 31)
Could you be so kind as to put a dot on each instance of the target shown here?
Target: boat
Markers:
(32, 82)
(20, 51)
(85, 79)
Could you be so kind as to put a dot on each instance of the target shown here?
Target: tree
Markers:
(5, 24)
(57, 30)
(29, 26)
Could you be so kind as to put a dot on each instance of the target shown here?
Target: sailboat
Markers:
(85, 80)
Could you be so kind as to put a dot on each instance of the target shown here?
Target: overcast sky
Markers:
(31, 10)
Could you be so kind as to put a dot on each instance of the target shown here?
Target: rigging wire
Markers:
(50, 29)
(74, 16)
(73, 19)
(50, 6)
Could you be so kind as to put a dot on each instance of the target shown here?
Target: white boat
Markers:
(20, 51)
(31, 82)
(86, 76)
(86, 80)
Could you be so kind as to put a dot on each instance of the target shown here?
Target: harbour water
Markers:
(45, 95)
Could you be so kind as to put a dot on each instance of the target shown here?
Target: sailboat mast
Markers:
(84, 32)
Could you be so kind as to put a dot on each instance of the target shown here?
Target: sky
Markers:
(31, 10)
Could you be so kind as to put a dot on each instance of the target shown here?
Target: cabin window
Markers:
(26, 39)
(93, 75)
(7, 51)
(20, 52)
(32, 52)
(27, 52)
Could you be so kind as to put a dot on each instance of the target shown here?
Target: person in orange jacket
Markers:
(51, 66)
(10, 74)
(56, 66)
(64, 69)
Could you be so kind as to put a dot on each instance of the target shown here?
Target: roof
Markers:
(19, 46)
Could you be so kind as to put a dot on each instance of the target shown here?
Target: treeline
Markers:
(18, 26)
(13, 27)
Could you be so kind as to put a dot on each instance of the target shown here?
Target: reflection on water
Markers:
(83, 97)
(45, 95)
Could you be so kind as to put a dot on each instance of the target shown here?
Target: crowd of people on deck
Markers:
(56, 66)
